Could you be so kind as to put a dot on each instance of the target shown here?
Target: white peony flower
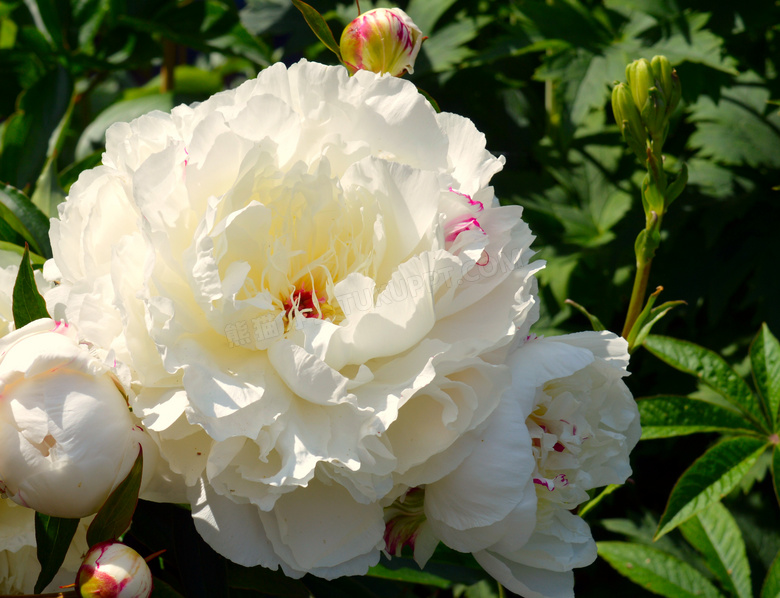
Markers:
(67, 438)
(314, 287)
(566, 425)
(19, 567)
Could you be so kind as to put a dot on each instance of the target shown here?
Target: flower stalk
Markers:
(642, 108)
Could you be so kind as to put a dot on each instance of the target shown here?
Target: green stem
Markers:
(501, 591)
(637, 295)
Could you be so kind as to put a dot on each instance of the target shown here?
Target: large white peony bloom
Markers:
(315, 288)
(566, 425)
(67, 437)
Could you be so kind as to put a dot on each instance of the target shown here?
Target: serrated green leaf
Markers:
(114, 517)
(319, 26)
(740, 129)
(711, 369)
(668, 416)
(709, 479)
(656, 571)
(716, 535)
(26, 219)
(52, 539)
(765, 364)
(28, 305)
(771, 587)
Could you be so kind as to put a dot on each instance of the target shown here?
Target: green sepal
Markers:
(52, 539)
(594, 321)
(654, 186)
(647, 241)
(116, 514)
(319, 26)
(28, 305)
(648, 317)
(674, 190)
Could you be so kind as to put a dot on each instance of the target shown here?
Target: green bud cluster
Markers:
(642, 106)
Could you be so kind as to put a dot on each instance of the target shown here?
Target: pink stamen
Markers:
(459, 226)
(472, 202)
(550, 484)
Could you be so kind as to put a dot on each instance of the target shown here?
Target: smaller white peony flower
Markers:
(67, 437)
(113, 570)
(383, 40)
(566, 425)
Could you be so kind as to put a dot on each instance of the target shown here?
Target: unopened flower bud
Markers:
(629, 120)
(640, 78)
(655, 88)
(383, 40)
(113, 570)
(67, 437)
(667, 81)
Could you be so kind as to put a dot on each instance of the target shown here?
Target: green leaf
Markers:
(771, 587)
(409, 575)
(776, 471)
(318, 26)
(765, 363)
(52, 538)
(425, 13)
(716, 535)
(94, 136)
(160, 589)
(709, 479)
(656, 571)
(46, 19)
(266, 581)
(593, 502)
(740, 129)
(710, 368)
(114, 517)
(25, 218)
(37, 260)
(28, 131)
(668, 416)
(28, 305)
(48, 194)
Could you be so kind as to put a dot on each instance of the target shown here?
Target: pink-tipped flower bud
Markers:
(113, 570)
(383, 40)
